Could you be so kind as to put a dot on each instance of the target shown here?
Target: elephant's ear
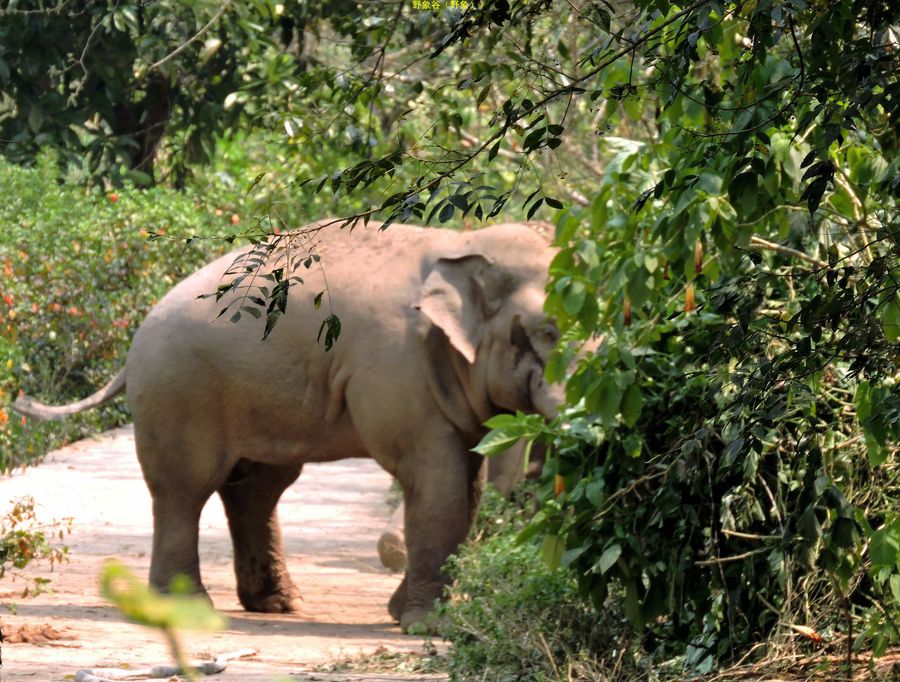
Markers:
(459, 294)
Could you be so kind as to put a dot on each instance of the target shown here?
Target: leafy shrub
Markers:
(511, 617)
(23, 540)
(730, 456)
(78, 271)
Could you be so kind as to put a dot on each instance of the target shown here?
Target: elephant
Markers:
(441, 329)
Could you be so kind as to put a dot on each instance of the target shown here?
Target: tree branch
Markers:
(184, 46)
(760, 244)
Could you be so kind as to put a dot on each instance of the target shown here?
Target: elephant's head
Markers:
(489, 306)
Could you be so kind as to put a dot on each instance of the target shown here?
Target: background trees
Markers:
(726, 180)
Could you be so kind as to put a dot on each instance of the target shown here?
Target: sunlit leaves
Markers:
(506, 430)
(143, 605)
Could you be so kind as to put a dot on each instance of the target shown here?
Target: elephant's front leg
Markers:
(250, 496)
(441, 499)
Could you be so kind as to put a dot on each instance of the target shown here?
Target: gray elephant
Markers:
(440, 331)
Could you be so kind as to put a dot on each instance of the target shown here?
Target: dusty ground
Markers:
(331, 518)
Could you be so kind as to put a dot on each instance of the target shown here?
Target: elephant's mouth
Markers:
(544, 400)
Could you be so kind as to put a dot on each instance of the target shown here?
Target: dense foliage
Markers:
(24, 540)
(77, 274)
(120, 88)
(728, 458)
(511, 617)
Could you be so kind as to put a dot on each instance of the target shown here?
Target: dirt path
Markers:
(331, 518)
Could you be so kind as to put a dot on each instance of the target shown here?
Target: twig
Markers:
(160, 671)
(184, 46)
(849, 659)
(859, 211)
(760, 244)
(549, 653)
(505, 153)
(749, 536)
(728, 559)
(578, 197)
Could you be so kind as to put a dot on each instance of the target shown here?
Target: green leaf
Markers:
(255, 182)
(876, 448)
(863, 401)
(633, 611)
(732, 450)
(890, 320)
(595, 492)
(573, 297)
(743, 120)
(894, 582)
(571, 555)
(331, 325)
(604, 399)
(145, 606)
(884, 547)
(743, 193)
(634, 107)
(497, 441)
(638, 287)
(633, 444)
(555, 203)
(552, 549)
(608, 559)
(533, 140)
(459, 201)
(535, 526)
(711, 183)
(632, 405)
(813, 193)
(557, 366)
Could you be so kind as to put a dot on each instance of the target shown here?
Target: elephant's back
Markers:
(188, 348)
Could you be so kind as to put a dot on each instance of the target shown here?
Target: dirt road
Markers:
(331, 519)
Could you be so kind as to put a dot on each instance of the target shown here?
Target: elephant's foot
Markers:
(286, 600)
(397, 603)
(418, 620)
(181, 584)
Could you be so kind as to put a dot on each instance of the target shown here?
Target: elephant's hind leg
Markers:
(250, 496)
(181, 474)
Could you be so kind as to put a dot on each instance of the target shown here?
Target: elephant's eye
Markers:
(550, 334)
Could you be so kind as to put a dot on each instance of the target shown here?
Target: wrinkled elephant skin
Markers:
(440, 331)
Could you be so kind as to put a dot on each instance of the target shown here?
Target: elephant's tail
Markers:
(41, 412)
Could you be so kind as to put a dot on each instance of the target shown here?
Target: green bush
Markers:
(25, 540)
(511, 617)
(78, 272)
